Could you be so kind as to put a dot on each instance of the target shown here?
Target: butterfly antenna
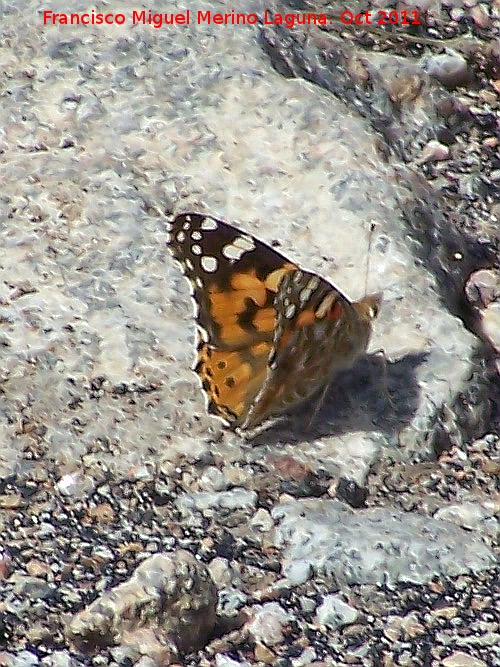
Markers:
(370, 238)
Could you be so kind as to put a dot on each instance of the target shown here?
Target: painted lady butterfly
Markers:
(270, 335)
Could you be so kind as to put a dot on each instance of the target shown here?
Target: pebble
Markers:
(298, 572)
(483, 287)
(450, 69)
(264, 654)
(267, 623)
(222, 660)
(305, 659)
(335, 613)
(491, 324)
(168, 604)
(434, 151)
(75, 484)
(229, 500)
(460, 659)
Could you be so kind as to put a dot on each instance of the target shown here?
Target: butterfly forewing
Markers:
(234, 278)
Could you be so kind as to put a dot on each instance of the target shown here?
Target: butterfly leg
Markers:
(319, 404)
(383, 380)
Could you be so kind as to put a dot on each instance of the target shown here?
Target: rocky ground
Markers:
(134, 528)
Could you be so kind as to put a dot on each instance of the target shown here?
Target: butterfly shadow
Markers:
(374, 395)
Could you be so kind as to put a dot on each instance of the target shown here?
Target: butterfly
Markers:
(269, 334)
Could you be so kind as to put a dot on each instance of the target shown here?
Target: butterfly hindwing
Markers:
(312, 317)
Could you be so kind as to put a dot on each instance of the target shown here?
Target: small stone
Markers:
(264, 654)
(59, 659)
(75, 484)
(490, 142)
(334, 613)
(222, 660)
(434, 151)
(24, 659)
(266, 626)
(102, 513)
(169, 604)
(220, 572)
(298, 572)
(11, 501)
(307, 605)
(213, 479)
(37, 568)
(491, 324)
(307, 657)
(456, 13)
(480, 16)
(231, 600)
(262, 520)
(460, 659)
(450, 69)
(483, 287)
(445, 612)
(5, 564)
(411, 626)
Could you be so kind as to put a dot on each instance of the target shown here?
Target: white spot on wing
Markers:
(309, 289)
(189, 264)
(196, 236)
(244, 242)
(313, 283)
(209, 224)
(199, 282)
(209, 264)
(196, 249)
(186, 225)
(290, 311)
(235, 250)
(180, 237)
(202, 333)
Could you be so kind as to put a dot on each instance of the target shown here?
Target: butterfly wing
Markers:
(318, 332)
(234, 279)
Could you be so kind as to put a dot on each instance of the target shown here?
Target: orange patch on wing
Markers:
(232, 379)
(264, 320)
(251, 286)
(305, 318)
(226, 309)
(227, 304)
(275, 277)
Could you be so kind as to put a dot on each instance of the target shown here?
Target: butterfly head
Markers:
(368, 307)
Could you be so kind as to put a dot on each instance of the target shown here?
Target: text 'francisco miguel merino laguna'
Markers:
(158, 20)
